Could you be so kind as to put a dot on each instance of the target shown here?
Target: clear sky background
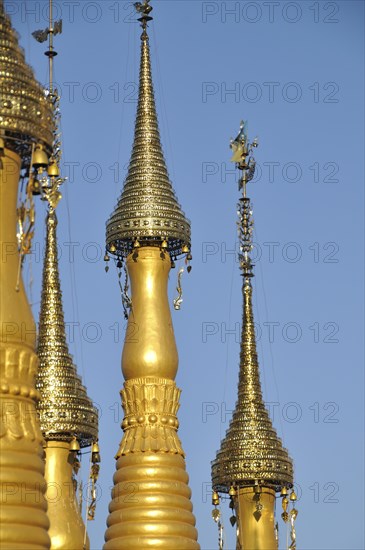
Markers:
(295, 71)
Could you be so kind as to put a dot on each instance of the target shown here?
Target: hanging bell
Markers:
(136, 244)
(185, 249)
(74, 446)
(106, 258)
(95, 453)
(215, 499)
(164, 244)
(232, 491)
(40, 158)
(284, 492)
(293, 496)
(53, 170)
(112, 248)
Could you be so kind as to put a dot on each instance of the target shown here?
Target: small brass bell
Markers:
(284, 492)
(185, 249)
(164, 244)
(74, 445)
(40, 158)
(215, 499)
(95, 452)
(293, 496)
(112, 248)
(53, 170)
(136, 244)
(232, 491)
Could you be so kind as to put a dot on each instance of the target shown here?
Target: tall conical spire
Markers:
(65, 409)
(148, 210)
(252, 460)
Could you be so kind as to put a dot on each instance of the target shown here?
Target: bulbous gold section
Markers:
(149, 347)
(256, 519)
(23, 518)
(67, 530)
(151, 505)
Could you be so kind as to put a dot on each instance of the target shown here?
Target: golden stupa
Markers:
(252, 465)
(26, 122)
(147, 232)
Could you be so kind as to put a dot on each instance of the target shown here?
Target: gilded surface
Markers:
(23, 519)
(256, 519)
(25, 113)
(64, 408)
(150, 347)
(150, 423)
(67, 530)
(151, 505)
(148, 208)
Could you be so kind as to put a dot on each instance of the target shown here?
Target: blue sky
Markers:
(294, 70)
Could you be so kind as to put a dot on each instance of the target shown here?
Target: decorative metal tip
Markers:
(144, 9)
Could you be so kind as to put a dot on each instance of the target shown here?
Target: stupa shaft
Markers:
(23, 519)
(25, 120)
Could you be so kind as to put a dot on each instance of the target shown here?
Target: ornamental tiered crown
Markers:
(148, 211)
(25, 113)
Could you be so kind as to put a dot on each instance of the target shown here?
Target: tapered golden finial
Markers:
(65, 409)
(148, 212)
(252, 462)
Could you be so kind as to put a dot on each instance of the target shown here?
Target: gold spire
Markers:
(252, 463)
(148, 209)
(65, 409)
(25, 113)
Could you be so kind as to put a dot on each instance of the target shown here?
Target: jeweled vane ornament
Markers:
(252, 465)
